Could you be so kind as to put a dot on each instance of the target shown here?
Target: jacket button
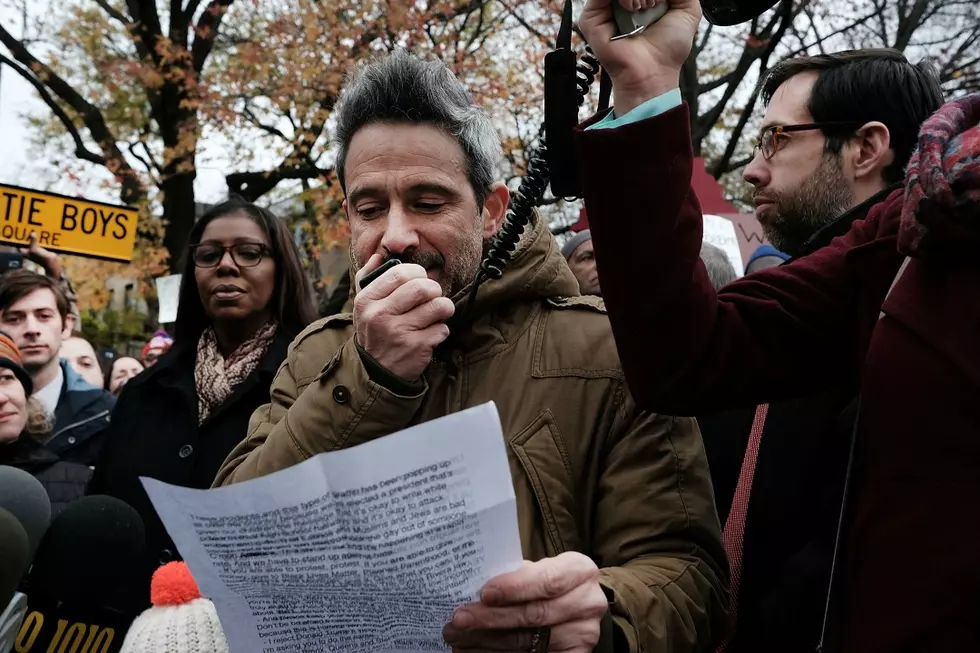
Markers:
(185, 451)
(341, 394)
(71, 439)
(457, 359)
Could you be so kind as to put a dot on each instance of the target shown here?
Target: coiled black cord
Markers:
(587, 69)
(530, 191)
(532, 186)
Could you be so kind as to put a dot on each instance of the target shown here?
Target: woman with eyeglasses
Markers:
(243, 298)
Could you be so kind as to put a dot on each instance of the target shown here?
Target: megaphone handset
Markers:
(631, 23)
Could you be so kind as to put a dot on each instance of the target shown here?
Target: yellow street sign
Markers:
(67, 224)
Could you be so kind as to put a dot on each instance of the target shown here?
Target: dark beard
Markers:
(822, 198)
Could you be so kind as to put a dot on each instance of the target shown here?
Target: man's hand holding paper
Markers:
(560, 596)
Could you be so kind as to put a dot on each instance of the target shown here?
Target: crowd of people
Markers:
(702, 460)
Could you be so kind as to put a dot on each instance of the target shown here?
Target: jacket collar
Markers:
(537, 270)
(27, 454)
(76, 393)
(502, 307)
(842, 225)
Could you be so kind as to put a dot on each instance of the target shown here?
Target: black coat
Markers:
(154, 433)
(791, 521)
(63, 481)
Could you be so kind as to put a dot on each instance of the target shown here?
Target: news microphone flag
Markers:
(84, 579)
(14, 561)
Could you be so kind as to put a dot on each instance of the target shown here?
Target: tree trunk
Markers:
(179, 213)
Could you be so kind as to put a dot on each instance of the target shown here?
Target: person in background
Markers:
(243, 298)
(81, 356)
(765, 257)
(23, 425)
(156, 347)
(34, 311)
(578, 253)
(120, 372)
(889, 308)
(720, 270)
(614, 503)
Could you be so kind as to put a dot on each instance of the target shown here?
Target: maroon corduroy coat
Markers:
(910, 579)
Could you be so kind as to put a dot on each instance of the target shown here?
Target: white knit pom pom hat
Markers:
(180, 620)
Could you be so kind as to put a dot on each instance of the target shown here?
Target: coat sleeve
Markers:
(686, 349)
(657, 538)
(339, 407)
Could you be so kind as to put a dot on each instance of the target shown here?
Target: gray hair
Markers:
(720, 269)
(402, 88)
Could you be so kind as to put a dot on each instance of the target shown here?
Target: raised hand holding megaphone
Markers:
(649, 63)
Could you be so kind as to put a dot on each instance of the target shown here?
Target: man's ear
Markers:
(68, 324)
(495, 209)
(872, 153)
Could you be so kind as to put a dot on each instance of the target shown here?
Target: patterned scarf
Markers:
(216, 377)
(941, 213)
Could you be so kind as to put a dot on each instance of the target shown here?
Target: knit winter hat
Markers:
(161, 341)
(575, 241)
(10, 358)
(180, 620)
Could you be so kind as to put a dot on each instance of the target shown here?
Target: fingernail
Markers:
(490, 595)
(450, 634)
(463, 619)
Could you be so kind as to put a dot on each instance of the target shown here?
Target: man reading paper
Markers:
(615, 505)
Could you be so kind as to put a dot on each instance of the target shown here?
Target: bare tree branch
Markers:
(207, 30)
(806, 48)
(191, 9)
(908, 23)
(269, 129)
(253, 185)
(136, 155)
(523, 23)
(146, 27)
(115, 14)
(81, 151)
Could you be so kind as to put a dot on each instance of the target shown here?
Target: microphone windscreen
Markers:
(26, 499)
(15, 556)
(92, 552)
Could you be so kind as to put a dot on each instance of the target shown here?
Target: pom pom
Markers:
(173, 585)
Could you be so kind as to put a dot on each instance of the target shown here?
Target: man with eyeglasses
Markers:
(809, 189)
(837, 134)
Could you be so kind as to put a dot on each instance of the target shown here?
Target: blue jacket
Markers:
(80, 420)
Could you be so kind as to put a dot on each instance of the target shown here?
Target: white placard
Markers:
(721, 233)
(168, 294)
(362, 550)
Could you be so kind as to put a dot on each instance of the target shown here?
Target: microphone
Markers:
(87, 572)
(14, 561)
(26, 499)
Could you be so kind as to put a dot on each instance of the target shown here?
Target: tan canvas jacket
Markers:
(591, 473)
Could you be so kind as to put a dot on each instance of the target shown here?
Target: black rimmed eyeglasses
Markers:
(771, 139)
(245, 255)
